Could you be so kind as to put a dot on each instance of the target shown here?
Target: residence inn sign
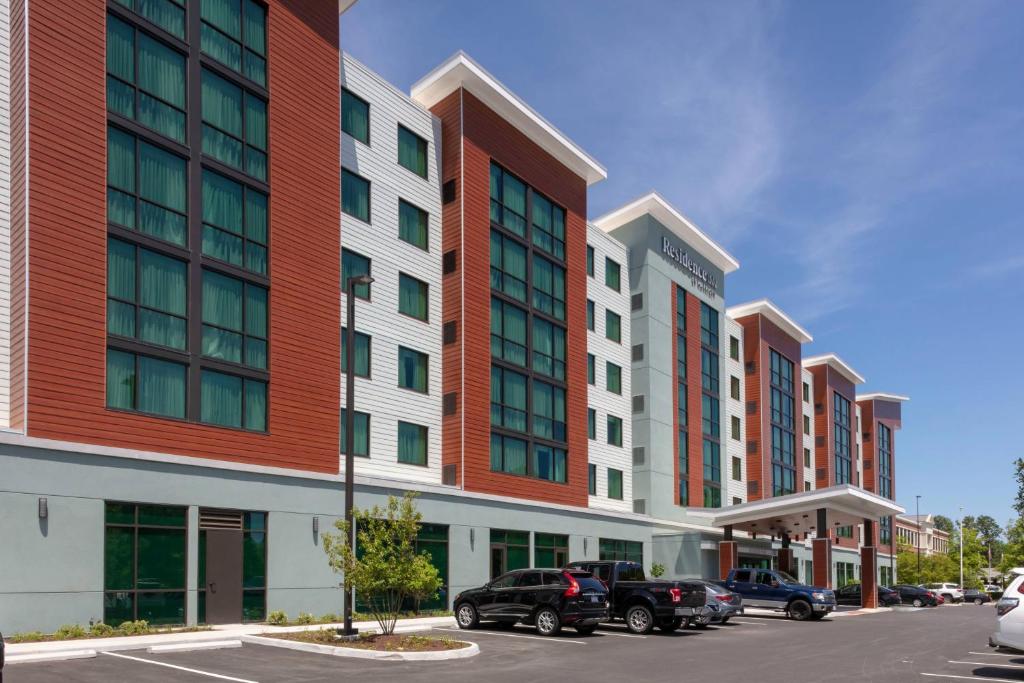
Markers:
(701, 277)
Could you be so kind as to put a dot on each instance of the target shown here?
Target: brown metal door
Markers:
(223, 576)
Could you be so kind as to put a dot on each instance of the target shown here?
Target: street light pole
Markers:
(961, 547)
(350, 427)
(917, 514)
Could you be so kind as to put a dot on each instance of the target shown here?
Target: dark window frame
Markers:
(782, 419)
(345, 91)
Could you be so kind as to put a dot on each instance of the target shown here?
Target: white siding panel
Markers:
(605, 402)
(808, 410)
(377, 162)
(734, 448)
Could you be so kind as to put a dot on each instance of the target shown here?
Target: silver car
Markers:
(721, 605)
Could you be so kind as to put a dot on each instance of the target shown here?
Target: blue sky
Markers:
(863, 161)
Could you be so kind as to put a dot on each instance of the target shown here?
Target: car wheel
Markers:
(978, 601)
(800, 610)
(725, 620)
(547, 622)
(639, 619)
(918, 603)
(586, 630)
(466, 616)
(670, 625)
(702, 620)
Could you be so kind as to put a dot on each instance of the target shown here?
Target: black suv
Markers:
(547, 598)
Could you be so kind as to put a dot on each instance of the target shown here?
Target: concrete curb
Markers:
(49, 656)
(191, 647)
(340, 651)
(218, 633)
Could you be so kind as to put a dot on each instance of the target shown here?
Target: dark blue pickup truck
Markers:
(777, 590)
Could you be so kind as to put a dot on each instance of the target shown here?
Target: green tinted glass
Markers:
(161, 515)
(162, 608)
(119, 558)
(118, 608)
(254, 605)
(119, 513)
(161, 562)
(254, 559)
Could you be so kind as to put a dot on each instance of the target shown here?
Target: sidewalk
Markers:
(59, 649)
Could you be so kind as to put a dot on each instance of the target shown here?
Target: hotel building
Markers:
(173, 250)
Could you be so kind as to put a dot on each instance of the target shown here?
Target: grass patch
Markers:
(99, 630)
(279, 618)
(372, 641)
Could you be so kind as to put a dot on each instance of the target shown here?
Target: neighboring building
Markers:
(920, 532)
(173, 251)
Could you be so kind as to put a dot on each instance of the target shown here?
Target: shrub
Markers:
(68, 631)
(657, 570)
(277, 618)
(329, 618)
(101, 630)
(27, 637)
(305, 618)
(134, 628)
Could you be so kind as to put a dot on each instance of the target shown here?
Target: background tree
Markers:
(936, 568)
(1013, 553)
(387, 569)
(944, 523)
(1018, 503)
(990, 535)
(974, 556)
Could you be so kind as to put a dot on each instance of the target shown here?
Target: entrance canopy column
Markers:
(784, 555)
(728, 553)
(869, 567)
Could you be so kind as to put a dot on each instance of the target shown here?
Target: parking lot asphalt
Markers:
(926, 645)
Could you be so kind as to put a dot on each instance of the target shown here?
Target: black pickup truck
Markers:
(643, 603)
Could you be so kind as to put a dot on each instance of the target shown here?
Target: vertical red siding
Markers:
(19, 214)
(694, 412)
(486, 136)
(67, 254)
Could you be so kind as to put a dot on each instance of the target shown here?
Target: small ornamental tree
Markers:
(657, 570)
(386, 570)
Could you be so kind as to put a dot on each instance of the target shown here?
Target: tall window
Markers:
(413, 297)
(412, 443)
(234, 125)
(783, 424)
(884, 461)
(614, 484)
(612, 275)
(234, 223)
(144, 563)
(590, 315)
(145, 79)
(614, 431)
(508, 332)
(710, 403)
(412, 151)
(591, 369)
(355, 195)
(528, 336)
(612, 326)
(362, 359)
(412, 369)
(234, 32)
(590, 261)
(361, 433)
(841, 416)
(188, 211)
(683, 455)
(354, 265)
(355, 116)
(613, 378)
(412, 225)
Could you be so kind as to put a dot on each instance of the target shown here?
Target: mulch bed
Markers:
(392, 643)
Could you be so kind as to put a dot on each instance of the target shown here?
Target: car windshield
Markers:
(786, 578)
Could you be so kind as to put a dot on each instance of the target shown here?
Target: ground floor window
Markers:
(748, 562)
(844, 532)
(433, 540)
(885, 576)
(509, 550)
(613, 549)
(845, 573)
(144, 563)
(550, 550)
(808, 572)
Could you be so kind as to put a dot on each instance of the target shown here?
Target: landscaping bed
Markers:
(99, 630)
(375, 642)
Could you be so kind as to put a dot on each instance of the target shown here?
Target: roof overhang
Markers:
(764, 307)
(671, 218)
(459, 71)
(794, 514)
(344, 5)
(837, 364)
(880, 396)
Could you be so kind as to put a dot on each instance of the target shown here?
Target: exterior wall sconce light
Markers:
(472, 538)
(43, 509)
(316, 525)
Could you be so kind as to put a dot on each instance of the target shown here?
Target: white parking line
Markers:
(975, 678)
(994, 654)
(609, 632)
(181, 668)
(747, 621)
(1001, 666)
(516, 635)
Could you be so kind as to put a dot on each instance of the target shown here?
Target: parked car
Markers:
(1010, 619)
(994, 591)
(546, 598)
(916, 596)
(978, 597)
(850, 595)
(779, 591)
(720, 605)
(949, 591)
(643, 603)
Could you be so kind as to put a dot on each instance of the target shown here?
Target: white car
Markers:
(949, 591)
(1010, 619)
